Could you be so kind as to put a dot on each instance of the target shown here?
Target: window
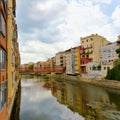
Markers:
(87, 40)
(104, 68)
(87, 56)
(2, 25)
(13, 60)
(94, 67)
(2, 95)
(2, 59)
(13, 77)
(91, 39)
(108, 68)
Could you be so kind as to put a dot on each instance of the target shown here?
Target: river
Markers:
(65, 100)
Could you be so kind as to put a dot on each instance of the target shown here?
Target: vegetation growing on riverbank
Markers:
(44, 76)
(31, 74)
(114, 73)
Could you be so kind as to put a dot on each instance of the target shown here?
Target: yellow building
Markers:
(73, 61)
(91, 49)
(77, 59)
(92, 46)
(3, 60)
(17, 54)
(11, 6)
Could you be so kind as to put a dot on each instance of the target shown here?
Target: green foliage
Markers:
(118, 51)
(31, 66)
(45, 76)
(114, 73)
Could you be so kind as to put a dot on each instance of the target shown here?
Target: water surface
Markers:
(38, 103)
(67, 100)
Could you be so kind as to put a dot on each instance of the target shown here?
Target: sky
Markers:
(46, 27)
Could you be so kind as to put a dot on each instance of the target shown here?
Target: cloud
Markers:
(47, 26)
(103, 1)
(37, 51)
(116, 16)
(38, 14)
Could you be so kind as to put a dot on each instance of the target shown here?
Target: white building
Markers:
(108, 56)
(92, 67)
(108, 52)
(70, 66)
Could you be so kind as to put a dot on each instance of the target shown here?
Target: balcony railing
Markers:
(88, 47)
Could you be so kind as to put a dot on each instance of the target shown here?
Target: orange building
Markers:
(3, 56)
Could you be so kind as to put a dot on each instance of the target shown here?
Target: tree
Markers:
(31, 66)
(118, 52)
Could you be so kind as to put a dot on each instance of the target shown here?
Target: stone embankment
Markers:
(95, 81)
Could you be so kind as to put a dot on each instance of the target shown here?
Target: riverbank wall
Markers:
(95, 81)
(10, 102)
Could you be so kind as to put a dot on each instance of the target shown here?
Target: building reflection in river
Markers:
(83, 100)
(38, 103)
(92, 102)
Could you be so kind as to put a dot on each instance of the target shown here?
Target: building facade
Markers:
(90, 52)
(11, 6)
(108, 56)
(13, 55)
(73, 61)
(77, 60)
(70, 68)
(3, 59)
(60, 60)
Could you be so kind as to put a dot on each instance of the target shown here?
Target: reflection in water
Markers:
(92, 102)
(66, 100)
(15, 115)
(37, 103)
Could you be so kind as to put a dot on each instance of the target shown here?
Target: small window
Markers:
(104, 68)
(2, 95)
(91, 39)
(87, 40)
(2, 25)
(2, 59)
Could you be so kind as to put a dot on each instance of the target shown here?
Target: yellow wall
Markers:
(77, 59)
(10, 68)
(93, 43)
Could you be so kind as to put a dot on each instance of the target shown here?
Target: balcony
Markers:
(88, 52)
(88, 47)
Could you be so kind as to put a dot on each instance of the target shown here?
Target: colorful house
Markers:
(73, 61)
(90, 49)
(3, 59)
(60, 60)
